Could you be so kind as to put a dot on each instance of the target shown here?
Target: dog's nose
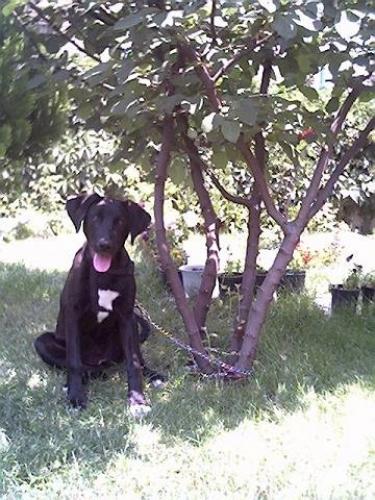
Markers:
(104, 245)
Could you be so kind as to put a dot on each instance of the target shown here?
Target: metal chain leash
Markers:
(226, 370)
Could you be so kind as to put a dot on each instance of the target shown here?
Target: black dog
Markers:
(97, 326)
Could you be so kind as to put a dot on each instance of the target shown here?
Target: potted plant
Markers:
(295, 275)
(346, 294)
(368, 288)
(230, 280)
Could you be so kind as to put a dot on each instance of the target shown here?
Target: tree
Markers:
(216, 85)
(32, 107)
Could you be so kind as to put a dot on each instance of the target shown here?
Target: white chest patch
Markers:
(102, 315)
(106, 298)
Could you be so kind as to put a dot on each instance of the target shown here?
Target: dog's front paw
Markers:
(138, 406)
(139, 411)
(77, 400)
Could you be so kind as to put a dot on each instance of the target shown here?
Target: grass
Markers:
(302, 427)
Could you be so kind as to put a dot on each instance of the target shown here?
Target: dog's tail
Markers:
(143, 326)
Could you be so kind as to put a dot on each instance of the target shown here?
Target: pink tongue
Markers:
(101, 263)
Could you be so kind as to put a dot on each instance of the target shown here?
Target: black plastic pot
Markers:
(293, 281)
(165, 281)
(343, 298)
(368, 294)
(259, 278)
(229, 282)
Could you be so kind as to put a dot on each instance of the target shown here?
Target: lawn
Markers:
(302, 427)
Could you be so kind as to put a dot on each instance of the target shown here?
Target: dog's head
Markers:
(106, 224)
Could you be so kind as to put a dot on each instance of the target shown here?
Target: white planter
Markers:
(191, 279)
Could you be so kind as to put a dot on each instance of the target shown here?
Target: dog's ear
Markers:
(77, 207)
(138, 219)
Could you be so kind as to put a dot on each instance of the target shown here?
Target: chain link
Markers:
(226, 370)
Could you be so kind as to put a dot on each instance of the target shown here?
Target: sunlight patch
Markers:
(4, 441)
(36, 381)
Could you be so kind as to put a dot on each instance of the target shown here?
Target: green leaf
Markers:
(36, 81)
(309, 92)
(122, 106)
(304, 62)
(129, 21)
(177, 170)
(125, 70)
(166, 104)
(98, 69)
(85, 110)
(167, 19)
(11, 6)
(332, 104)
(5, 137)
(247, 111)
(231, 130)
(285, 26)
(219, 159)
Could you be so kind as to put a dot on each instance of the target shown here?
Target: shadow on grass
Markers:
(301, 350)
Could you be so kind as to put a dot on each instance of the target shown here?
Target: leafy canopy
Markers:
(147, 59)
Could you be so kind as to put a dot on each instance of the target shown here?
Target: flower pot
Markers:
(229, 282)
(343, 298)
(293, 281)
(368, 294)
(259, 278)
(191, 280)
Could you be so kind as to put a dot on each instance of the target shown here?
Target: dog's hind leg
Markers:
(143, 326)
(151, 376)
(51, 350)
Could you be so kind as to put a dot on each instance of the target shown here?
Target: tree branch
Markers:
(66, 37)
(327, 190)
(253, 44)
(212, 263)
(239, 200)
(248, 283)
(204, 76)
(247, 291)
(162, 162)
(212, 23)
(261, 184)
(325, 156)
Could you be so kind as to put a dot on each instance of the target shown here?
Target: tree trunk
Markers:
(211, 267)
(212, 264)
(166, 261)
(261, 305)
(247, 290)
(254, 232)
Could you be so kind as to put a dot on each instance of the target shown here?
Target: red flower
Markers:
(307, 133)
